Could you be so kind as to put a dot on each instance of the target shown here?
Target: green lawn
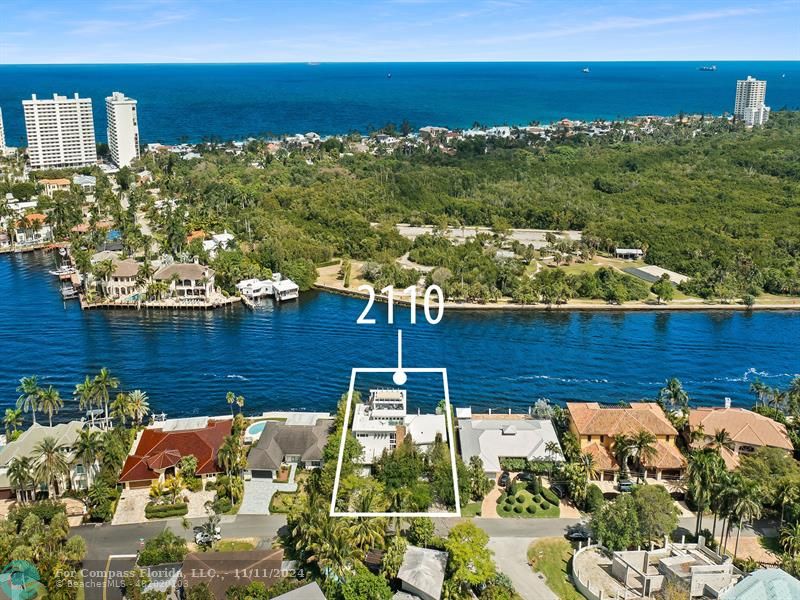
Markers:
(233, 546)
(473, 509)
(524, 500)
(550, 557)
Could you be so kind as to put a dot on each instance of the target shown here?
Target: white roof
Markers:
(285, 285)
(424, 428)
(493, 439)
(423, 569)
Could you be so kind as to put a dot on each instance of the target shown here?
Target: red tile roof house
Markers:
(157, 453)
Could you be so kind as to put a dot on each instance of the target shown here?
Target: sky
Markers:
(174, 31)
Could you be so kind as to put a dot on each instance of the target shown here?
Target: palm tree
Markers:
(722, 439)
(643, 445)
(674, 396)
(29, 395)
(368, 532)
(20, 472)
(138, 406)
(705, 468)
(12, 421)
(88, 449)
(230, 398)
(790, 538)
(621, 447)
(334, 553)
(761, 392)
(103, 383)
(229, 455)
(587, 463)
(746, 508)
(85, 394)
(788, 492)
(119, 408)
(50, 464)
(50, 402)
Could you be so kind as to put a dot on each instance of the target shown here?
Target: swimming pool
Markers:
(255, 430)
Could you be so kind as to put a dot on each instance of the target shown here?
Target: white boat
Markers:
(63, 270)
(585, 70)
(68, 292)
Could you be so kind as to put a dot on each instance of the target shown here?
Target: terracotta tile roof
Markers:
(667, 456)
(197, 234)
(603, 459)
(232, 569)
(744, 426)
(55, 181)
(33, 218)
(125, 268)
(191, 271)
(592, 419)
(156, 449)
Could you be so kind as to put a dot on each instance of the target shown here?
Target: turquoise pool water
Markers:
(256, 428)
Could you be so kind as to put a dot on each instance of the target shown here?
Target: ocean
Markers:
(193, 102)
(299, 355)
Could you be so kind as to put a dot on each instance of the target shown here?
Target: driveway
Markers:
(258, 493)
(131, 505)
(510, 556)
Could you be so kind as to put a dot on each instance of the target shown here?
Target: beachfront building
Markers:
(159, 448)
(383, 420)
(749, 106)
(2, 134)
(748, 431)
(596, 426)
(33, 229)
(123, 129)
(60, 132)
(52, 186)
(187, 280)
(288, 443)
(493, 437)
(65, 435)
(628, 253)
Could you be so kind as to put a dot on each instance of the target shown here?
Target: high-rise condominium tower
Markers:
(2, 133)
(123, 129)
(60, 132)
(750, 107)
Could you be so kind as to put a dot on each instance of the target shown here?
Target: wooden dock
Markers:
(160, 305)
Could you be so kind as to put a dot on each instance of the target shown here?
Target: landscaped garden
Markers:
(531, 502)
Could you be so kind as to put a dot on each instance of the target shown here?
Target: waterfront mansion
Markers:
(383, 420)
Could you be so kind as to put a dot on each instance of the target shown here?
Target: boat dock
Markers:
(168, 304)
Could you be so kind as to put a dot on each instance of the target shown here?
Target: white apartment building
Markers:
(60, 132)
(2, 133)
(750, 96)
(383, 420)
(123, 129)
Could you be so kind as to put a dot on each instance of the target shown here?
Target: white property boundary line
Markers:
(451, 443)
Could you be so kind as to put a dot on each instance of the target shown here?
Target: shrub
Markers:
(160, 511)
(594, 498)
(166, 547)
(513, 464)
(518, 509)
(711, 543)
(502, 498)
(537, 498)
(193, 484)
(517, 488)
(520, 499)
(222, 505)
(532, 509)
(536, 486)
(545, 505)
(44, 509)
(550, 496)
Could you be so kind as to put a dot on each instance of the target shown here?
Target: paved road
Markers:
(510, 554)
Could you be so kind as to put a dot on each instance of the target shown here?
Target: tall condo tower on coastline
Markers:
(123, 129)
(2, 133)
(60, 132)
(750, 107)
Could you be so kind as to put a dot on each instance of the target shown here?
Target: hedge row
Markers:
(550, 496)
(160, 511)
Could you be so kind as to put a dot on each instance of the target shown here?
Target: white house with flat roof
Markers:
(493, 437)
(379, 423)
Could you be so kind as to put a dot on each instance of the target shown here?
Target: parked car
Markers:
(625, 485)
(579, 532)
(525, 476)
(559, 490)
(504, 480)
(203, 538)
(202, 528)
